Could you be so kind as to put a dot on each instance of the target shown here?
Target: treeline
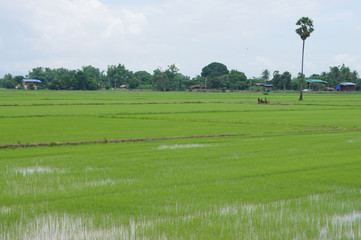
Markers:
(214, 76)
(339, 74)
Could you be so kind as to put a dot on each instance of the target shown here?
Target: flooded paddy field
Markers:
(191, 166)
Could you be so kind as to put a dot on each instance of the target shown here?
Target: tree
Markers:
(37, 73)
(282, 81)
(304, 31)
(172, 72)
(238, 80)
(354, 76)
(18, 80)
(265, 75)
(118, 75)
(92, 73)
(286, 80)
(197, 80)
(133, 83)
(145, 79)
(31, 86)
(161, 80)
(83, 82)
(170, 79)
(8, 81)
(183, 82)
(213, 72)
(276, 80)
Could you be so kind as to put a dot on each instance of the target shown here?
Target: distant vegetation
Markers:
(215, 76)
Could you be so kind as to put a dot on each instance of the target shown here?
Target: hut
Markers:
(198, 86)
(26, 83)
(317, 81)
(345, 86)
(268, 85)
(330, 89)
(265, 85)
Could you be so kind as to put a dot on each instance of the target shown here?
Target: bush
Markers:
(31, 86)
(318, 87)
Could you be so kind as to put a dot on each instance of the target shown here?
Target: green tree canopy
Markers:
(265, 75)
(18, 80)
(118, 75)
(8, 81)
(144, 77)
(238, 80)
(214, 69)
(306, 27)
(162, 82)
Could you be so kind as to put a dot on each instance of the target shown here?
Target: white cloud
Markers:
(136, 21)
(248, 35)
(116, 25)
(72, 25)
(73, 33)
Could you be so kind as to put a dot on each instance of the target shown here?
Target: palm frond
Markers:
(306, 27)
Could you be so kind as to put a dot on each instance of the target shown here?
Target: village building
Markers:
(198, 86)
(26, 83)
(330, 89)
(316, 81)
(346, 86)
(265, 85)
(268, 85)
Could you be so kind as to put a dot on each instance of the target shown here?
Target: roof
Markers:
(31, 80)
(347, 84)
(316, 81)
(267, 85)
(197, 86)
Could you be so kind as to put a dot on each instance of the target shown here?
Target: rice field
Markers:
(180, 165)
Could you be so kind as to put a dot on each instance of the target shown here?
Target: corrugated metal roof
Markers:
(31, 80)
(316, 81)
(347, 84)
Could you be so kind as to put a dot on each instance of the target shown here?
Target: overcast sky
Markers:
(247, 35)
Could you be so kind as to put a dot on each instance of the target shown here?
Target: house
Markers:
(198, 86)
(26, 83)
(345, 86)
(265, 85)
(317, 81)
(123, 86)
(330, 89)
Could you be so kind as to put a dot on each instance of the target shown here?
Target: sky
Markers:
(246, 35)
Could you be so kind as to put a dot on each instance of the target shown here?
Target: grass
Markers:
(295, 175)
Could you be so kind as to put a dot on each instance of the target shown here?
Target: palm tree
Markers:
(265, 75)
(305, 30)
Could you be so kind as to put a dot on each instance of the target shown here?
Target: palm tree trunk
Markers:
(303, 54)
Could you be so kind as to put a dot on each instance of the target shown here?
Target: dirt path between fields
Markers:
(47, 144)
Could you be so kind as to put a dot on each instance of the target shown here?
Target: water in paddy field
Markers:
(325, 216)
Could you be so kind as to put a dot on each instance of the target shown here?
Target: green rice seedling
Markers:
(213, 166)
